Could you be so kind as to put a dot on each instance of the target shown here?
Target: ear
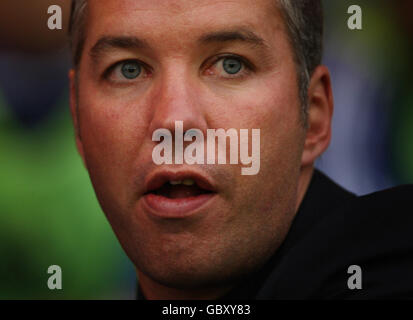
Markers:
(74, 112)
(320, 113)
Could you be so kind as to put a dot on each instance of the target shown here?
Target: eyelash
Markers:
(109, 71)
(247, 67)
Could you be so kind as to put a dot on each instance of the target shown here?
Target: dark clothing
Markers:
(333, 230)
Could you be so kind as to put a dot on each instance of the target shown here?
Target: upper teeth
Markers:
(186, 182)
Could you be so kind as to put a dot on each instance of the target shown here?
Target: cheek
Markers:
(272, 106)
(104, 132)
(112, 125)
(267, 102)
(282, 134)
(112, 136)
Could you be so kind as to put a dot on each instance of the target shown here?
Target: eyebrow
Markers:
(105, 44)
(109, 43)
(241, 34)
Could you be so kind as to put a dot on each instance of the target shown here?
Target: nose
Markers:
(176, 97)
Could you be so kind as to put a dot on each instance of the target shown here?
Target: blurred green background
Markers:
(49, 214)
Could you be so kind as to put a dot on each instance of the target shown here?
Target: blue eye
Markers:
(131, 70)
(231, 65)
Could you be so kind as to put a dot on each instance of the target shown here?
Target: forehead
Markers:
(180, 19)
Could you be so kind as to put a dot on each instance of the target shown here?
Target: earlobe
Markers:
(74, 112)
(320, 112)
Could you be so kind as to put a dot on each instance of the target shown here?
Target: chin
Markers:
(193, 278)
(189, 272)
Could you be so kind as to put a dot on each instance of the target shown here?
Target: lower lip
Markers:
(163, 207)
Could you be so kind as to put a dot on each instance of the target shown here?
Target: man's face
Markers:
(177, 72)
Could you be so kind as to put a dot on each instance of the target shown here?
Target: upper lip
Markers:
(157, 179)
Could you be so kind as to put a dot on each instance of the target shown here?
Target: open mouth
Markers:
(178, 189)
(177, 195)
